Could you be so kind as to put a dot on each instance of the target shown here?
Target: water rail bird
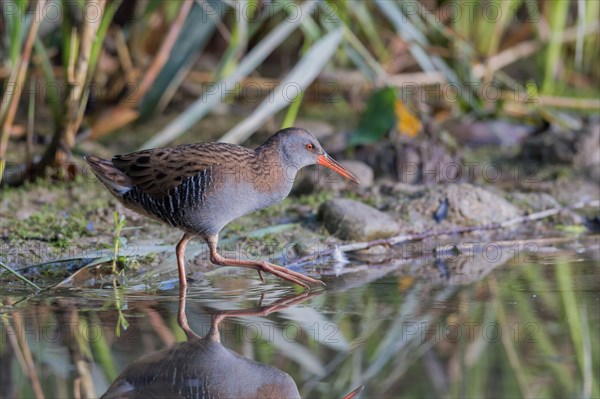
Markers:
(200, 188)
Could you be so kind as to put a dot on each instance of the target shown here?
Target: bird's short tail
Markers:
(114, 179)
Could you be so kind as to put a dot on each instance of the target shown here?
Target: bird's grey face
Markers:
(300, 149)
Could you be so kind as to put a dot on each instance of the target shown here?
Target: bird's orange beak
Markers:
(330, 163)
(355, 393)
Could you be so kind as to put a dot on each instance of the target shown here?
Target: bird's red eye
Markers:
(309, 146)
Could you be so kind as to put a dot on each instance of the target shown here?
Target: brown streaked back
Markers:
(156, 171)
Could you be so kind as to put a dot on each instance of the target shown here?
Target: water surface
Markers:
(515, 324)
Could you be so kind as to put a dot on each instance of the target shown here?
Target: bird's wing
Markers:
(158, 170)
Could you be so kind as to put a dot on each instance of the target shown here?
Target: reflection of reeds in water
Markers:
(534, 355)
(396, 335)
(539, 350)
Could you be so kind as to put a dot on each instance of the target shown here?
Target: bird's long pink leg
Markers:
(180, 252)
(261, 266)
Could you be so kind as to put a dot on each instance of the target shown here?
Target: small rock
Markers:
(316, 179)
(479, 206)
(352, 220)
(468, 205)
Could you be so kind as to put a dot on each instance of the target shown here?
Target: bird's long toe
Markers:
(287, 277)
(297, 275)
(266, 267)
(290, 275)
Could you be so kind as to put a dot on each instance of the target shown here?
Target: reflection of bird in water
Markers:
(202, 367)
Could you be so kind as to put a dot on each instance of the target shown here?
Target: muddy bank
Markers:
(74, 221)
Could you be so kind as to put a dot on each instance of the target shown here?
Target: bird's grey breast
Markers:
(232, 193)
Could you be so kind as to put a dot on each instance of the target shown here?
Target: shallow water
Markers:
(515, 324)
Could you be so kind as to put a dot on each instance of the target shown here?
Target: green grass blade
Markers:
(300, 77)
(20, 277)
(101, 351)
(54, 100)
(292, 112)
(237, 45)
(416, 39)
(367, 24)
(17, 22)
(571, 309)
(543, 338)
(109, 13)
(559, 14)
(199, 108)
(190, 43)
(418, 45)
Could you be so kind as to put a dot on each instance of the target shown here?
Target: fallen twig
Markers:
(20, 277)
(402, 238)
